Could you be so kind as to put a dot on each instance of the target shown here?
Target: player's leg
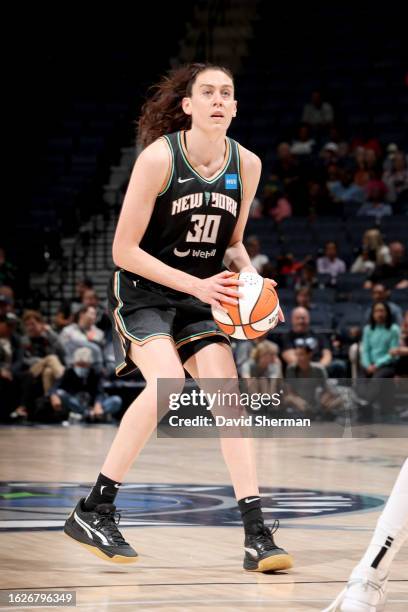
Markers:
(156, 358)
(215, 361)
(366, 588)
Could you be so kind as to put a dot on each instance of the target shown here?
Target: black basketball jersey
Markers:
(194, 217)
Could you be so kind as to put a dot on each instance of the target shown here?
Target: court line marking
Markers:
(197, 602)
(154, 584)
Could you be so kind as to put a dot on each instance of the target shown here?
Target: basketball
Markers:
(256, 312)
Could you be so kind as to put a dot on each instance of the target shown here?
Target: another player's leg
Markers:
(93, 522)
(366, 589)
(261, 553)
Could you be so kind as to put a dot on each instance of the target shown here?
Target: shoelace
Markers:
(366, 583)
(109, 521)
(265, 535)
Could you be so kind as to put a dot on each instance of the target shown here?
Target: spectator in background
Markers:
(345, 190)
(307, 276)
(316, 113)
(90, 298)
(329, 154)
(388, 163)
(361, 174)
(374, 252)
(375, 206)
(306, 389)
(258, 260)
(380, 337)
(300, 328)
(67, 309)
(263, 365)
(10, 366)
(303, 144)
(277, 206)
(400, 353)
(380, 294)
(6, 304)
(330, 263)
(83, 333)
(394, 275)
(80, 391)
(8, 272)
(396, 180)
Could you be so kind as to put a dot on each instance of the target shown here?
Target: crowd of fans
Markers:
(57, 371)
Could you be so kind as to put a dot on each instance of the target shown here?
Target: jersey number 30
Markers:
(205, 228)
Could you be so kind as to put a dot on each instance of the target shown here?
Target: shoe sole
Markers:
(102, 555)
(273, 563)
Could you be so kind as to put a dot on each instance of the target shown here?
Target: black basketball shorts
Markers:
(142, 311)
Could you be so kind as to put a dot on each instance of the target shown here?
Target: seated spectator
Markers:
(67, 309)
(401, 352)
(329, 154)
(388, 163)
(8, 272)
(288, 267)
(380, 293)
(375, 206)
(300, 328)
(394, 275)
(277, 206)
(317, 200)
(307, 276)
(80, 391)
(317, 113)
(374, 252)
(286, 176)
(379, 337)
(396, 179)
(90, 298)
(304, 143)
(83, 333)
(264, 362)
(307, 393)
(43, 359)
(253, 246)
(330, 263)
(344, 190)
(10, 366)
(362, 173)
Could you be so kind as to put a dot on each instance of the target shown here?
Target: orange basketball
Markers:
(256, 312)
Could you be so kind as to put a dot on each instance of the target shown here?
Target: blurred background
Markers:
(322, 96)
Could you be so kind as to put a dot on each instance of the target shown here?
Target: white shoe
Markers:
(365, 592)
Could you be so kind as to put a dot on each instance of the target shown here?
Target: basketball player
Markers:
(366, 590)
(183, 215)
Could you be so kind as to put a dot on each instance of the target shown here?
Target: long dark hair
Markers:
(388, 320)
(162, 112)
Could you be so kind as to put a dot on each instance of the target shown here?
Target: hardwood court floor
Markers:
(199, 566)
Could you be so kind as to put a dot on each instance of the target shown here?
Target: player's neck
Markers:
(204, 148)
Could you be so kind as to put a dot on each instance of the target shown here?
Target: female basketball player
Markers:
(183, 215)
(366, 590)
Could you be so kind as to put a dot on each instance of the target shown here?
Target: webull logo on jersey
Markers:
(231, 181)
(196, 200)
(195, 253)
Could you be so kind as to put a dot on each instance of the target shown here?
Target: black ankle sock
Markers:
(251, 511)
(104, 491)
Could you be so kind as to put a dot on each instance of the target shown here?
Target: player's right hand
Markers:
(218, 288)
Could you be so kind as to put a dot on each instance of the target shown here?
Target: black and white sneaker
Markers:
(97, 531)
(261, 552)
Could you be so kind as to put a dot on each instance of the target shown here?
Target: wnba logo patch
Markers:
(231, 181)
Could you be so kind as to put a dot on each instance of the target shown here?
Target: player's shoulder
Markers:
(155, 154)
(249, 160)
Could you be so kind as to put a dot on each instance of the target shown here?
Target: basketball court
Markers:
(327, 494)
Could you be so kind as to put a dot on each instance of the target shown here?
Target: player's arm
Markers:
(236, 257)
(149, 176)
